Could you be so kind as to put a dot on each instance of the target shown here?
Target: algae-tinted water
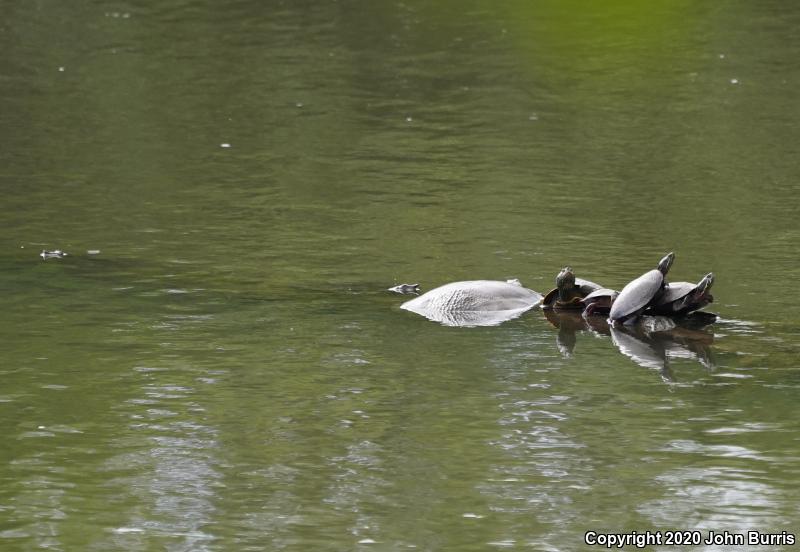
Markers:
(229, 373)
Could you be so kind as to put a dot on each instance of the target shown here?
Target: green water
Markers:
(229, 371)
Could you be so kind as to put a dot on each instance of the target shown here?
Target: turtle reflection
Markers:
(650, 343)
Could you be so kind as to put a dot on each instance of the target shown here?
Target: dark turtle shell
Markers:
(683, 297)
(638, 294)
(599, 301)
(569, 291)
(551, 301)
(586, 286)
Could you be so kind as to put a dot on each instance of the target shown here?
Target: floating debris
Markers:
(55, 254)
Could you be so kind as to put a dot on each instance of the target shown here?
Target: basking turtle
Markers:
(569, 291)
(474, 303)
(638, 294)
(683, 297)
(599, 301)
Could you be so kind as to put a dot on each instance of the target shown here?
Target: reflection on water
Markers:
(731, 498)
(468, 319)
(650, 343)
(176, 474)
(229, 371)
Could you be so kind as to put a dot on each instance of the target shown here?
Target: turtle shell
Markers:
(599, 301)
(550, 300)
(683, 297)
(674, 291)
(636, 295)
(580, 289)
(473, 296)
(600, 293)
(586, 286)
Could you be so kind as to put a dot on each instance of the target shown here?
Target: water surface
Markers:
(229, 371)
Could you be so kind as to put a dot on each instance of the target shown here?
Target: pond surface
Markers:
(217, 365)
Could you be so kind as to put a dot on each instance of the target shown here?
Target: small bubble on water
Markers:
(225, 145)
(722, 56)
(61, 69)
(299, 104)
(366, 541)
(409, 119)
(93, 252)
(734, 81)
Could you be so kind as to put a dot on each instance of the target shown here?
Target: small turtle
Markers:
(55, 254)
(681, 298)
(405, 289)
(569, 291)
(599, 301)
(639, 293)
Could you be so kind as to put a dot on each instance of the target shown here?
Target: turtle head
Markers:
(705, 284)
(565, 279)
(702, 292)
(665, 263)
(565, 282)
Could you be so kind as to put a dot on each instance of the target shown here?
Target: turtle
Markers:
(449, 303)
(599, 301)
(569, 291)
(638, 294)
(681, 298)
